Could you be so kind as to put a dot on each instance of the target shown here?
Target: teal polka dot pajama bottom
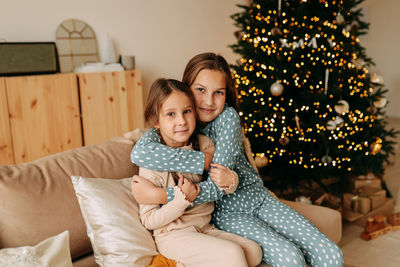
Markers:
(286, 237)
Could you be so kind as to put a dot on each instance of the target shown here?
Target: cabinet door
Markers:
(6, 151)
(112, 104)
(44, 115)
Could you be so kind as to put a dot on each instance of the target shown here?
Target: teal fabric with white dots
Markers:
(286, 237)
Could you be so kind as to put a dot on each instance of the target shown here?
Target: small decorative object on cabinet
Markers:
(23, 58)
(76, 44)
(47, 114)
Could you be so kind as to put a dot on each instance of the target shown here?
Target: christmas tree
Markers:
(308, 103)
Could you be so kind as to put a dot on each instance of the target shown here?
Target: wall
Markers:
(164, 35)
(382, 44)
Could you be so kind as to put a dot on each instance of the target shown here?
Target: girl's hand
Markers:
(190, 190)
(221, 175)
(145, 192)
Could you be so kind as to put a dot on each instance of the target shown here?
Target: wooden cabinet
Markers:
(46, 114)
(6, 151)
(111, 104)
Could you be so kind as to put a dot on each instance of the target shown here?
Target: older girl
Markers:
(286, 237)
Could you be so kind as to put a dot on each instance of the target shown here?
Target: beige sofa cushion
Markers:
(112, 219)
(38, 200)
(53, 251)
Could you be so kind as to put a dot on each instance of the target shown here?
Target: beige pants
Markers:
(208, 247)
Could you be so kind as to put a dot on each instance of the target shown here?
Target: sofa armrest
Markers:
(327, 220)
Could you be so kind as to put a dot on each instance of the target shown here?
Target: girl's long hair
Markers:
(211, 61)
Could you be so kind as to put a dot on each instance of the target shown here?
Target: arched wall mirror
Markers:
(76, 44)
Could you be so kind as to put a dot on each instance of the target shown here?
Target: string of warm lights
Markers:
(296, 56)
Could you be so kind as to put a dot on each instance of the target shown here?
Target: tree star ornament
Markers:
(276, 88)
(342, 106)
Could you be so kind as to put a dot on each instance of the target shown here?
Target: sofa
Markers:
(39, 200)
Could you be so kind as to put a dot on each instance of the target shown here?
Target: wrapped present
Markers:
(386, 209)
(364, 200)
(361, 204)
(372, 183)
(377, 196)
(351, 183)
(356, 203)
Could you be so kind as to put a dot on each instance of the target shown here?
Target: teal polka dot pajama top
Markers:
(286, 237)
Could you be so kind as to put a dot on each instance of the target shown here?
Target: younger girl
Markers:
(286, 237)
(182, 233)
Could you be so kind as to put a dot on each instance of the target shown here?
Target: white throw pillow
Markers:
(53, 251)
(111, 215)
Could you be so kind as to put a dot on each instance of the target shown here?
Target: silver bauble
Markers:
(276, 88)
(331, 125)
(326, 159)
(342, 106)
(376, 78)
(381, 102)
(338, 121)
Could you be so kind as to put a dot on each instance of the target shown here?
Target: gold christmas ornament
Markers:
(372, 110)
(283, 141)
(238, 34)
(276, 88)
(340, 19)
(376, 78)
(376, 146)
(342, 106)
(359, 63)
(276, 31)
(355, 27)
(381, 102)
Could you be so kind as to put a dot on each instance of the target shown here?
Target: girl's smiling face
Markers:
(176, 119)
(209, 90)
